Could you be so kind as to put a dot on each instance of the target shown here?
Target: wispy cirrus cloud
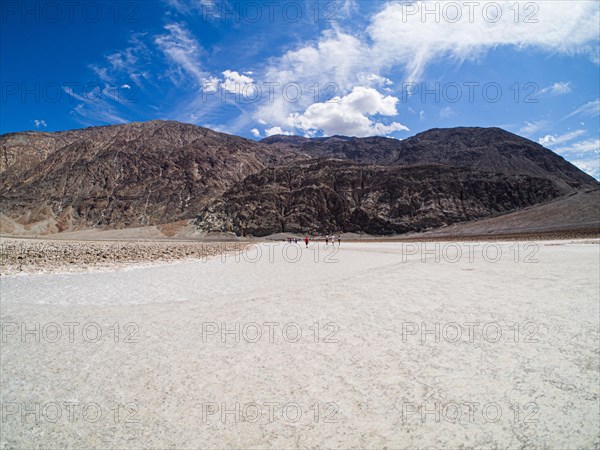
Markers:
(584, 154)
(530, 128)
(132, 64)
(96, 105)
(551, 140)
(558, 88)
(403, 33)
(589, 109)
(183, 52)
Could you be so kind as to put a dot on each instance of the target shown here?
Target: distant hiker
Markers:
(306, 241)
(339, 240)
(326, 240)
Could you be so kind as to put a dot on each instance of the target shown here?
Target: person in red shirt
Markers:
(306, 241)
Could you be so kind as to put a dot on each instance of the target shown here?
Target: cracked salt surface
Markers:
(379, 361)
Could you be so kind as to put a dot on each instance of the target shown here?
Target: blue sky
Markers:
(256, 68)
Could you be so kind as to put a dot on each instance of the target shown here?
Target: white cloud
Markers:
(129, 62)
(403, 34)
(551, 140)
(40, 123)
(255, 132)
(591, 166)
(349, 115)
(446, 112)
(396, 39)
(589, 145)
(590, 109)
(557, 88)
(183, 51)
(96, 105)
(193, 6)
(277, 130)
(238, 84)
(323, 69)
(372, 79)
(584, 154)
(125, 86)
(533, 127)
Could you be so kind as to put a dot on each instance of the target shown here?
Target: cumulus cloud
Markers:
(349, 115)
(401, 36)
(277, 130)
(255, 132)
(238, 84)
(40, 123)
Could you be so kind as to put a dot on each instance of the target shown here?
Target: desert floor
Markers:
(368, 345)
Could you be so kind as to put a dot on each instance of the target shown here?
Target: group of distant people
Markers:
(332, 239)
(328, 239)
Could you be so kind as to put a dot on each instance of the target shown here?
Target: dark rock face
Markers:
(122, 176)
(161, 171)
(334, 195)
(482, 149)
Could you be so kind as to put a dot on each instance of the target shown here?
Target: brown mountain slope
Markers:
(577, 213)
(335, 195)
(144, 174)
(483, 149)
(125, 175)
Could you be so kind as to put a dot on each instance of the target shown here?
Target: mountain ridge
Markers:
(148, 173)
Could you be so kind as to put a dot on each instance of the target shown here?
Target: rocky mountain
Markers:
(159, 172)
(482, 149)
(321, 196)
(123, 175)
